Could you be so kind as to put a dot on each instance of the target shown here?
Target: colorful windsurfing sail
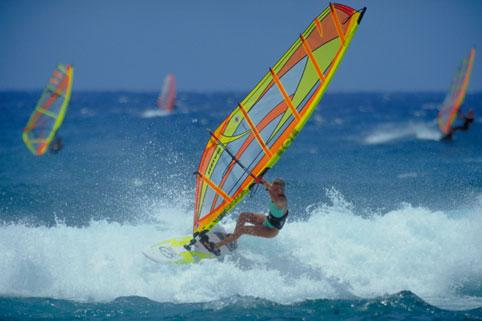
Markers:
(49, 111)
(167, 96)
(455, 97)
(253, 137)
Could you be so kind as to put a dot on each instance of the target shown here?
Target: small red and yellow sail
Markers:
(253, 137)
(167, 96)
(455, 97)
(49, 111)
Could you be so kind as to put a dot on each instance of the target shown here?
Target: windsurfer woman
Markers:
(261, 225)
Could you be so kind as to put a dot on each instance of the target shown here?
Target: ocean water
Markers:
(385, 220)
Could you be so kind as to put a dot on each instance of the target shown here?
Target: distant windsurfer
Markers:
(261, 225)
(56, 145)
(468, 119)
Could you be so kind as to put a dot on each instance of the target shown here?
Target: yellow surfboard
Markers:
(178, 250)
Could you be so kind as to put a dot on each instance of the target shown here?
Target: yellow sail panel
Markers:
(455, 97)
(49, 111)
(252, 138)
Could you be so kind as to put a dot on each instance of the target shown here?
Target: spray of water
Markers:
(334, 253)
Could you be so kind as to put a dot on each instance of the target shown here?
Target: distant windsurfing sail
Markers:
(49, 111)
(456, 95)
(253, 137)
(167, 96)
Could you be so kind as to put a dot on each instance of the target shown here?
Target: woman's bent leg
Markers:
(255, 219)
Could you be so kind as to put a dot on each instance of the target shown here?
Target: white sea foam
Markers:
(87, 112)
(387, 133)
(155, 112)
(334, 254)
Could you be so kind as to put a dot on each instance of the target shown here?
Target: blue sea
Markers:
(385, 220)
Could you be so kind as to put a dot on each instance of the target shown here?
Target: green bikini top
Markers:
(276, 217)
(276, 211)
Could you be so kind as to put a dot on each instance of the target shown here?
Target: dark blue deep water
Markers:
(385, 220)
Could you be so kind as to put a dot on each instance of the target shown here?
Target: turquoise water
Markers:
(384, 223)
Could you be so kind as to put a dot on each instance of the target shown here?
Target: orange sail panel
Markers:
(455, 97)
(167, 96)
(253, 137)
(49, 112)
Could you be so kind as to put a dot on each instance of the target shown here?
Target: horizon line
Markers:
(236, 91)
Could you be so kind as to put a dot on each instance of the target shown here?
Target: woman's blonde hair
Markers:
(280, 182)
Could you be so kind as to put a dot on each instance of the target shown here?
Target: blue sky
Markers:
(222, 45)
